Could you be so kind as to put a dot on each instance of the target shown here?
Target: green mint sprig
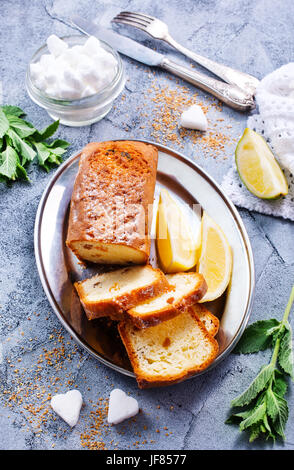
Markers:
(263, 408)
(21, 143)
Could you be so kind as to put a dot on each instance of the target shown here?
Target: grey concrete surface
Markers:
(37, 356)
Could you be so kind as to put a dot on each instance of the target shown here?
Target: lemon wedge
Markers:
(258, 168)
(216, 260)
(176, 247)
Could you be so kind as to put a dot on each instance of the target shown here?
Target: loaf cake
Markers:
(111, 294)
(169, 352)
(185, 290)
(111, 204)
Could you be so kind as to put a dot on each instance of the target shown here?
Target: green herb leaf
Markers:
(4, 123)
(279, 385)
(278, 410)
(268, 412)
(9, 161)
(255, 431)
(39, 136)
(43, 152)
(275, 404)
(20, 126)
(24, 149)
(58, 143)
(21, 172)
(21, 143)
(255, 417)
(258, 384)
(281, 421)
(49, 154)
(257, 336)
(285, 356)
(266, 424)
(237, 417)
(12, 110)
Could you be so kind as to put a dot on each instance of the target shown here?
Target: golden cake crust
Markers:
(148, 380)
(113, 191)
(175, 307)
(116, 306)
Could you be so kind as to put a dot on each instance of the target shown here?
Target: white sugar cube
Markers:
(72, 57)
(51, 91)
(68, 406)
(78, 49)
(91, 46)
(88, 91)
(46, 61)
(40, 82)
(36, 70)
(121, 406)
(104, 59)
(109, 60)
(92, 77)
(194, 118)
(73, 79)
(67, 92)
(66, 58)
(55, 45)
(51, 76)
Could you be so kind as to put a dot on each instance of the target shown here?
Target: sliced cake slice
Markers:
(110, 294)
(210, 321)
(169, 352)
(185, 290)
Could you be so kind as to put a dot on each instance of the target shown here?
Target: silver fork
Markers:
(159, 30)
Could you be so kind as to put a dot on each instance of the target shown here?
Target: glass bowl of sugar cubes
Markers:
(75, 78)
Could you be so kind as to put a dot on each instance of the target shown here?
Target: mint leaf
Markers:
(21, 172)
(24, 149)
(255, 417)
(276, 405)
(20, 126)
(255, 431)
(266, 425)
(43, 152)
(58, 143)
(9, 161)
(21, 143)
(268, 412)
(12, 110)
(258, 384)
(285, 356)
(257, 336)
(49, 154)
(4, 123)
(278, 411)
(47, 132)
(279, 385)
(237, 417)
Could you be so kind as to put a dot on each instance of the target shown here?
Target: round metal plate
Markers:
(58, 268)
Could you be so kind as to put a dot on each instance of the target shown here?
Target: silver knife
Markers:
(229, 94)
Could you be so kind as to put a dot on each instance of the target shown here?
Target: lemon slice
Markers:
(176, 248)
(216, 261)
(258, 168)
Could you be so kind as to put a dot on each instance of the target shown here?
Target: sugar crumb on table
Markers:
(168, 102)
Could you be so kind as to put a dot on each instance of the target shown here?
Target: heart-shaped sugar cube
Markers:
(68, 406)
(194, 118)
(121, 406)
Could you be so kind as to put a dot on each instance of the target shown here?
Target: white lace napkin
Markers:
(275, 122)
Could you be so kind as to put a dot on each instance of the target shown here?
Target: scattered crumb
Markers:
(168, 104)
